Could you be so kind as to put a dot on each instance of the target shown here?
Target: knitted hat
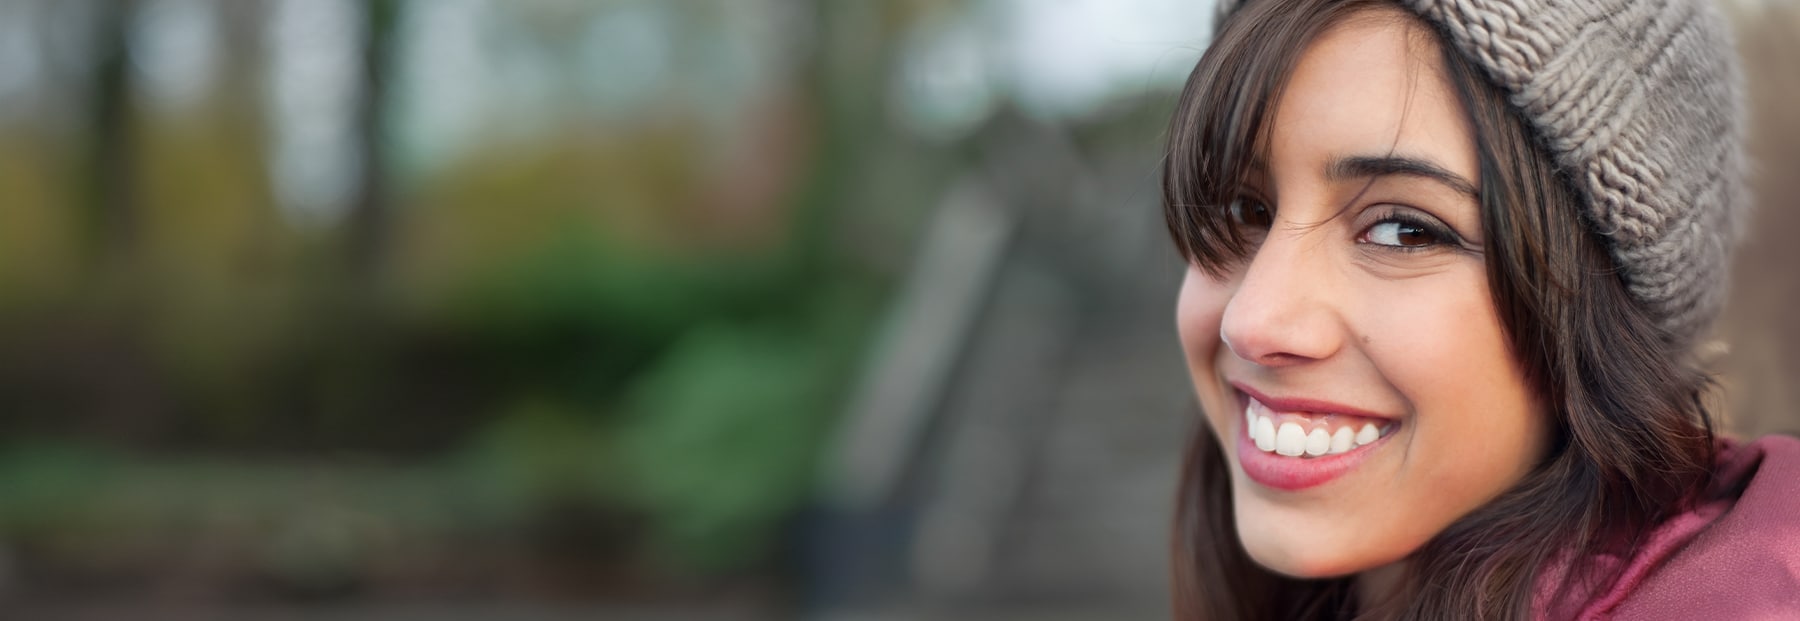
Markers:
(1640, 103)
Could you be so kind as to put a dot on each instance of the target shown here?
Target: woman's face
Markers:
(1354, 368)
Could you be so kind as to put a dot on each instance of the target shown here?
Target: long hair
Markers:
(1632, 440)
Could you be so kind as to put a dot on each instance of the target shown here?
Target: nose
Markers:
(1285, 310)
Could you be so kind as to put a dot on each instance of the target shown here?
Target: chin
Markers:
(1320, 555)
(1303, 564)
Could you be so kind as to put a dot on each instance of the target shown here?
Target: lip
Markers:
(1291, 473)
(1304, 405)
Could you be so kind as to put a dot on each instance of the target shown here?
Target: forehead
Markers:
(1372, 84)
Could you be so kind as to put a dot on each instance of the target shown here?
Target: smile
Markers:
(1296, 444)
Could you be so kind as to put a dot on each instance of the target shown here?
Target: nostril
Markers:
(1278, 359)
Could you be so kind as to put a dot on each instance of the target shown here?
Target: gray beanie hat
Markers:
(1640, 103)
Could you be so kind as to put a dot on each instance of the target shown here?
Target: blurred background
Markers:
(625, 309)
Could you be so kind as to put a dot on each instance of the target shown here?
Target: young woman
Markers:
(1449, 262)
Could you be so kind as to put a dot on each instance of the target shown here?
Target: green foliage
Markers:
(47, 485)
(536, 457)
(726, 429)
(577, 316)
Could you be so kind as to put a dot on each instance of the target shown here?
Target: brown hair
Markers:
(1632, 441)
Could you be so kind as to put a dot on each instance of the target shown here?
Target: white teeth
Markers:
(1343, 440)
(1264, 434)
(1290, 440)
(1368, 434)
(1318, 442)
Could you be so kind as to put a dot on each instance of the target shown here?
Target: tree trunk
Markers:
(370, 220)
(111, 171)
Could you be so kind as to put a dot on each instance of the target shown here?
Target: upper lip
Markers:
(1303, 404)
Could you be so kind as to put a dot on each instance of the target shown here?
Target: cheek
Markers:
(1197, 315)
(1477, 427)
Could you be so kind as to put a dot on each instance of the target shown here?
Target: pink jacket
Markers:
(1734, 558)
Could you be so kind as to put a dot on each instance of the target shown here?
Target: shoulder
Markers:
(1737, 556)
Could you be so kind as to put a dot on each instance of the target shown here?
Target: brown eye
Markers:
(1249, 212)
(1398, 231)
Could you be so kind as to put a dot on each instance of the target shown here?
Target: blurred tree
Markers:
(369, 218)
(645, 314)
(110, 182)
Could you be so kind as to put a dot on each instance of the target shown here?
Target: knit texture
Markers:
(1640, 102)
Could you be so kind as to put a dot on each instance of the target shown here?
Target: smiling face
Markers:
(1353, 366)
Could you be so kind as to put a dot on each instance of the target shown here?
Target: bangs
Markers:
(1220, 126)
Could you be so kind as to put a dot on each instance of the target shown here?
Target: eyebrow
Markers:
(1369, 167)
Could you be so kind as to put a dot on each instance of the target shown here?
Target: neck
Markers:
(1376, 588)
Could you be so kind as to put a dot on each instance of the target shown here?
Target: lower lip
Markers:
(1297, 473)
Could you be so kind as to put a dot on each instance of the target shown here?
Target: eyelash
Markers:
(1441, 235)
